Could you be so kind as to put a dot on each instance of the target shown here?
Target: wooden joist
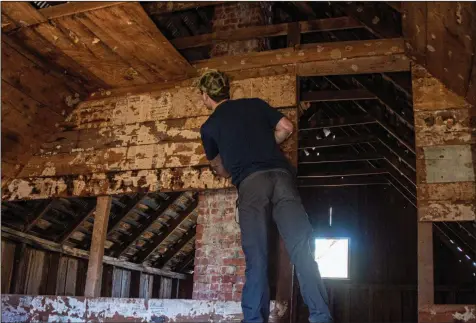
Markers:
(78, 222)
(345, 173)
(73, 8)
(331, 142)
(158, 238)
(341, 122)
(341, 182)
(338, 95)
(310, 26)
(335, 51)
(14, 235)
(172, 251)
(118, 249)
(165, 7)
(339, 158)
(34, 220)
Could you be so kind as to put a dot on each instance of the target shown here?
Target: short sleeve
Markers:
(209, 144)
(271, 114)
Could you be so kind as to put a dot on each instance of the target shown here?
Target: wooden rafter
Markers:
(340, 95)
(165, 7)
(131, 205)
(186, 262)
(340, 158)
(346, 181)
(144, 224)
(306, 53)
(266, 31)
(74, 252)
(75, 225)
(172, 251)
(34, 220)
(331, 142)
(345, 173)
(155, 241)
(340, 122)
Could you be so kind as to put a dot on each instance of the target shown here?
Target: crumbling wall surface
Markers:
(144, 142)
(18, 308)
(445, 136)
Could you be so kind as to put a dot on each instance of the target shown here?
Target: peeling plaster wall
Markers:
(139, 143)
(445, 136)
(17, 308)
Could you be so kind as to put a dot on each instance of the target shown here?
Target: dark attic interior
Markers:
(110, 209)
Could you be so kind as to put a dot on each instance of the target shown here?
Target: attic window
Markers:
(332, 257)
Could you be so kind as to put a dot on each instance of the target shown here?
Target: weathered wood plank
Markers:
(22, 13)
(8, 255)
(145, 285)
(101, 218)
(166, 180)
(445, 127)
(319, 25)
(306, 53)
(71, 276)
(447, 210)
(61, 276)
(155, 156)
(430, 313)
(430, 94)
(50, 92)
(34, 272)
(359, 65)
(72, 8)
(414, 23)
(159, 8)
(165, 287)
(105, 56)
(183, 102)
(425, 264)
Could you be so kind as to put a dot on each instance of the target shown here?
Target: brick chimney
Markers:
(219, 260)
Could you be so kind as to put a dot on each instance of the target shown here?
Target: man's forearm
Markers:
(218, 168)
(281, 135)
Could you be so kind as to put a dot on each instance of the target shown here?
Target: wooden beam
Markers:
(330, 52)
(339, 158)
(357, 65)
(38, 216)
(330, 142)
(426, 292)
(345, 173)
(165, 7)
(402, 190)
(341, 122)
(172, 251)
(157, 239)
(93, 277)
(339, 95)
(72, 8)
(75, 225)
(40, 243)
(22, 14)
(346, 181)
(304, 27)
(189, 259)
(447, 313)
(132, 204)
(119, 249)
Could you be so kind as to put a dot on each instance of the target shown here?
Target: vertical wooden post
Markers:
(426, 290)
(93, 277)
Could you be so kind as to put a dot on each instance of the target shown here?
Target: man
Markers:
(241, 139)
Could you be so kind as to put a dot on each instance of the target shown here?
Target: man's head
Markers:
(215, 87)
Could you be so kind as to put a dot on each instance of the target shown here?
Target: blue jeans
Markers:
(273, 194)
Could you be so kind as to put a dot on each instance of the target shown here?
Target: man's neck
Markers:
(216, 104)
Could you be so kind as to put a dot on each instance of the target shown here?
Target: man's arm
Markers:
(218, 168)
(283, 130)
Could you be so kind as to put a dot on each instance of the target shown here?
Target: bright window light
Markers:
(332, 257)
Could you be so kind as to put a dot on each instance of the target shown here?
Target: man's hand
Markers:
(283, 130)
(218, 168)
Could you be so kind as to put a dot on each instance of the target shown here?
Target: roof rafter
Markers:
(155, 241)
(118, 250)
(172, 251)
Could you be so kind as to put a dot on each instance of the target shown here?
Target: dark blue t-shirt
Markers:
(242, 132)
